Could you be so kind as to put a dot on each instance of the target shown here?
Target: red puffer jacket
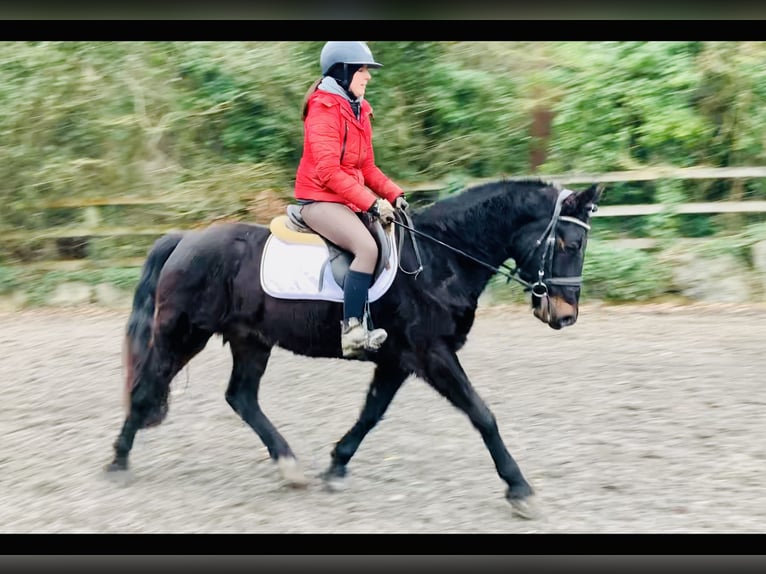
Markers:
(338, 163)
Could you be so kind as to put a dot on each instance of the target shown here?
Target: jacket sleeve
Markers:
(325, 137)
(375, 179)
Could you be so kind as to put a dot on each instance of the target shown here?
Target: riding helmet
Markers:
(346, 53)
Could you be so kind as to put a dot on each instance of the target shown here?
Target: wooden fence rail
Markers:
(96, 230)
(646, 174)
(606, 211)
(706, 207)
(656, 173)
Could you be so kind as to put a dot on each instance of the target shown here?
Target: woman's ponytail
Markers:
(310, 91)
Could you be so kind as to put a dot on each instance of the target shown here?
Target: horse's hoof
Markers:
(119, 463)
(118, 474)
(524, 507)
(292, 472)
(335, 478)
(335, 483)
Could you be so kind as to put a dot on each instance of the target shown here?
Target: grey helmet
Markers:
(346, 53)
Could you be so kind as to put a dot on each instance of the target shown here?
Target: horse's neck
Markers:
(486, 230)
(483, 231)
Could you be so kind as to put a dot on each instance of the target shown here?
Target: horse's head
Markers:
(554, 265)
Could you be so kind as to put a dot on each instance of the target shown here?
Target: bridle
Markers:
(548, 238)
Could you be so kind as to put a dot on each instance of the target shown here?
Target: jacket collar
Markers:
(330, 85)
(343, 103)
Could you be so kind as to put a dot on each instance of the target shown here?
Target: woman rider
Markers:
(337, 178)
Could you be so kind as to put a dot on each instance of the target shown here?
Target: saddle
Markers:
(291, 228)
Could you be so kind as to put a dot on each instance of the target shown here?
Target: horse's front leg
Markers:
(385, 383)
(444, 372)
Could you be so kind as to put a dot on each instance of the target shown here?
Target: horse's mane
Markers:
(454, 211)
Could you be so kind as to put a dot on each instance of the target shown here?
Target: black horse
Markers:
(196, 284)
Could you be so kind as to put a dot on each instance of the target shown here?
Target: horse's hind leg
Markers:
(386, 381)
(250, 359)
(168, 354)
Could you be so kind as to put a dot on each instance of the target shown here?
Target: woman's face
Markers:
(359, 81)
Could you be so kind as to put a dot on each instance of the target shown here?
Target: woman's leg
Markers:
(343, 227)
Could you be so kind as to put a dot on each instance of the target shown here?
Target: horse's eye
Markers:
(573, 248)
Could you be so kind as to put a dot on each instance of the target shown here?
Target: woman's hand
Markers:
(383, 210)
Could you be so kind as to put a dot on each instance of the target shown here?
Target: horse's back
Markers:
(197, 276)
(214, 245)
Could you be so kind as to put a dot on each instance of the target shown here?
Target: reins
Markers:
(503, 270)
(415, 248)
(539, 288)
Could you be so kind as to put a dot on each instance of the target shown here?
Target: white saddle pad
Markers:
(292, 271)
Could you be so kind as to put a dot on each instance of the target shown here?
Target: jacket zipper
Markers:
(345, 136)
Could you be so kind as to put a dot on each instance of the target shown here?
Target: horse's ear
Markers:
(585, 201)
(592, 197)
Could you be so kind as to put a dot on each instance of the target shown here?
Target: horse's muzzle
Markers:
(556, 312)
(565, 321)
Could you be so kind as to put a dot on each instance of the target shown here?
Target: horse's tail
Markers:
(139, 331)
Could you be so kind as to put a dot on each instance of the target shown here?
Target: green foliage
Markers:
(664, 225)
(87, 119)
(40, 285)
(214, 127)
(8, 280)
(629, 104)
(470, 108)
(620, 275)
(737, 244)
(609, 274)
(252, 109)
